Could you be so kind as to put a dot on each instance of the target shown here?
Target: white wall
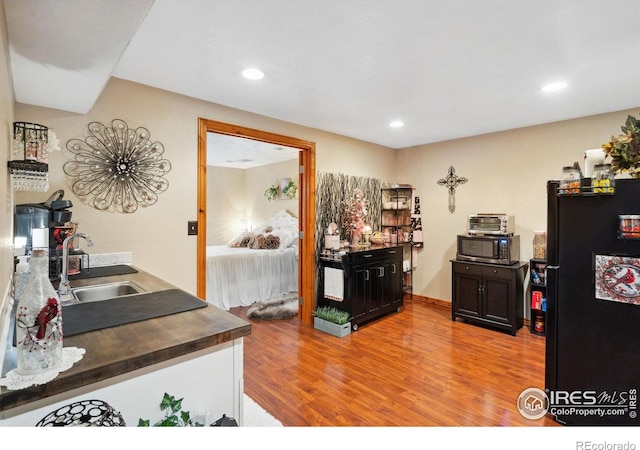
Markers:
(226, 203)
(507, 172)
(237, 195)
(259, 179)
(6, 195)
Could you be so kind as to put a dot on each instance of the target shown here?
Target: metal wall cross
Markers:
(451, 181)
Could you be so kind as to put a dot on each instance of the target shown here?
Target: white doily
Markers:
(14, 380)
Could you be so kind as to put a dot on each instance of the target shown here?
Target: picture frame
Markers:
(617, 279)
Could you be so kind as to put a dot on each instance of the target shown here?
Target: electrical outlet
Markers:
(192, 228)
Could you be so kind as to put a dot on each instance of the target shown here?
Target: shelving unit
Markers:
(538, 293)
(396, 219)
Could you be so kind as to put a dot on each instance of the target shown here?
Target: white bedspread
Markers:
(242, 276)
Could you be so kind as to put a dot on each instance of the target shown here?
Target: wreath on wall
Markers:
(117, 168)
(287, 190)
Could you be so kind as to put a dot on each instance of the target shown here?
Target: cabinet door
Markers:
(397, 289)
(386, 279)
(360, 290)
(375, 299)
(498, 305)
(468, 295)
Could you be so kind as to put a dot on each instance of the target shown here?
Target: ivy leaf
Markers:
(167, 401)
(176, 405)
(172, 407)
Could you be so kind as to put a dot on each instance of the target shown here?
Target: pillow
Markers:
(287, 237)
(258, 242)
(285, 223)
(271, 242)
(242, 239)
(281, 220)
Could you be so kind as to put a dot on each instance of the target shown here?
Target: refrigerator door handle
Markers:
(551, 344)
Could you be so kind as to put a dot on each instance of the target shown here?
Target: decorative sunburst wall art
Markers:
(117, 168)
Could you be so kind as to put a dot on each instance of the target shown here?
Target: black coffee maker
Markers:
(43, 225)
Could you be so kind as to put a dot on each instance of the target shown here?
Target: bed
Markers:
(245, 271)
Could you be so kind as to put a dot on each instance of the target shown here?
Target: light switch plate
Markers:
(192, 228)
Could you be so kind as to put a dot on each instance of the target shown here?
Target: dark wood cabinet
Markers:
(372, 282)
(488, 294)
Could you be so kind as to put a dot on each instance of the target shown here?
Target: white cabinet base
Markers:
(210, 381)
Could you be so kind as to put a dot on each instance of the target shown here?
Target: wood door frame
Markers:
(306, 206)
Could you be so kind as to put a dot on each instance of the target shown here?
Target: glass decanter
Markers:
(39, 320)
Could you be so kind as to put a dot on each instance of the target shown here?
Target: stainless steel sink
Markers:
(100, 292)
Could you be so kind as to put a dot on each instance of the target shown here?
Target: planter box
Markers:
(332, 328)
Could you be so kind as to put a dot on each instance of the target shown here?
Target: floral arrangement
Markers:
(624, 149)
(290, 190)
(271, 193)
(355, 210)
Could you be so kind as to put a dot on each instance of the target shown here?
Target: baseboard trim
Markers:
(525, 322)
(431, 301)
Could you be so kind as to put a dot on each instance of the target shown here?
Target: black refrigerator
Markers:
(592, 361)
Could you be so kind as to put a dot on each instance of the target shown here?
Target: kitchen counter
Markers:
(112, 353)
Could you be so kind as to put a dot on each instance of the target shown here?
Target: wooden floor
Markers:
(413, 368)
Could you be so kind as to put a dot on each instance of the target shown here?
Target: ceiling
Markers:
(241, 153)
(446, 68)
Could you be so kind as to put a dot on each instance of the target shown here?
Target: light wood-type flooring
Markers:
(416, 368)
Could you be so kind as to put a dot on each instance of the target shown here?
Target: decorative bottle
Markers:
(39, 320)
(20, 277)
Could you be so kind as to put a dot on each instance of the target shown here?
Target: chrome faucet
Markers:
(65, 287)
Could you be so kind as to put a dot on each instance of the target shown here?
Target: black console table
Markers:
(371, 281)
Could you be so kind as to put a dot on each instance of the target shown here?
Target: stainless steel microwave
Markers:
(490, 249)
(498, 224)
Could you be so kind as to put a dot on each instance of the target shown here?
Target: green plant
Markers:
(332, 314)
(624, 149)
(271, 193)
(173, 416)
(290, 190)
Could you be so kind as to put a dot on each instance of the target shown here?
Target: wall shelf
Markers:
(29, 175)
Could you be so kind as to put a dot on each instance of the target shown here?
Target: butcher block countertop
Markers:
(114, 351)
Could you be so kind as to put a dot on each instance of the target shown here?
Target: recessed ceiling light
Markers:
(253, 74)
(396, 124)
(553, 87)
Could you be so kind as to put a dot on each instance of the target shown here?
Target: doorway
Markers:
(306, 206)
